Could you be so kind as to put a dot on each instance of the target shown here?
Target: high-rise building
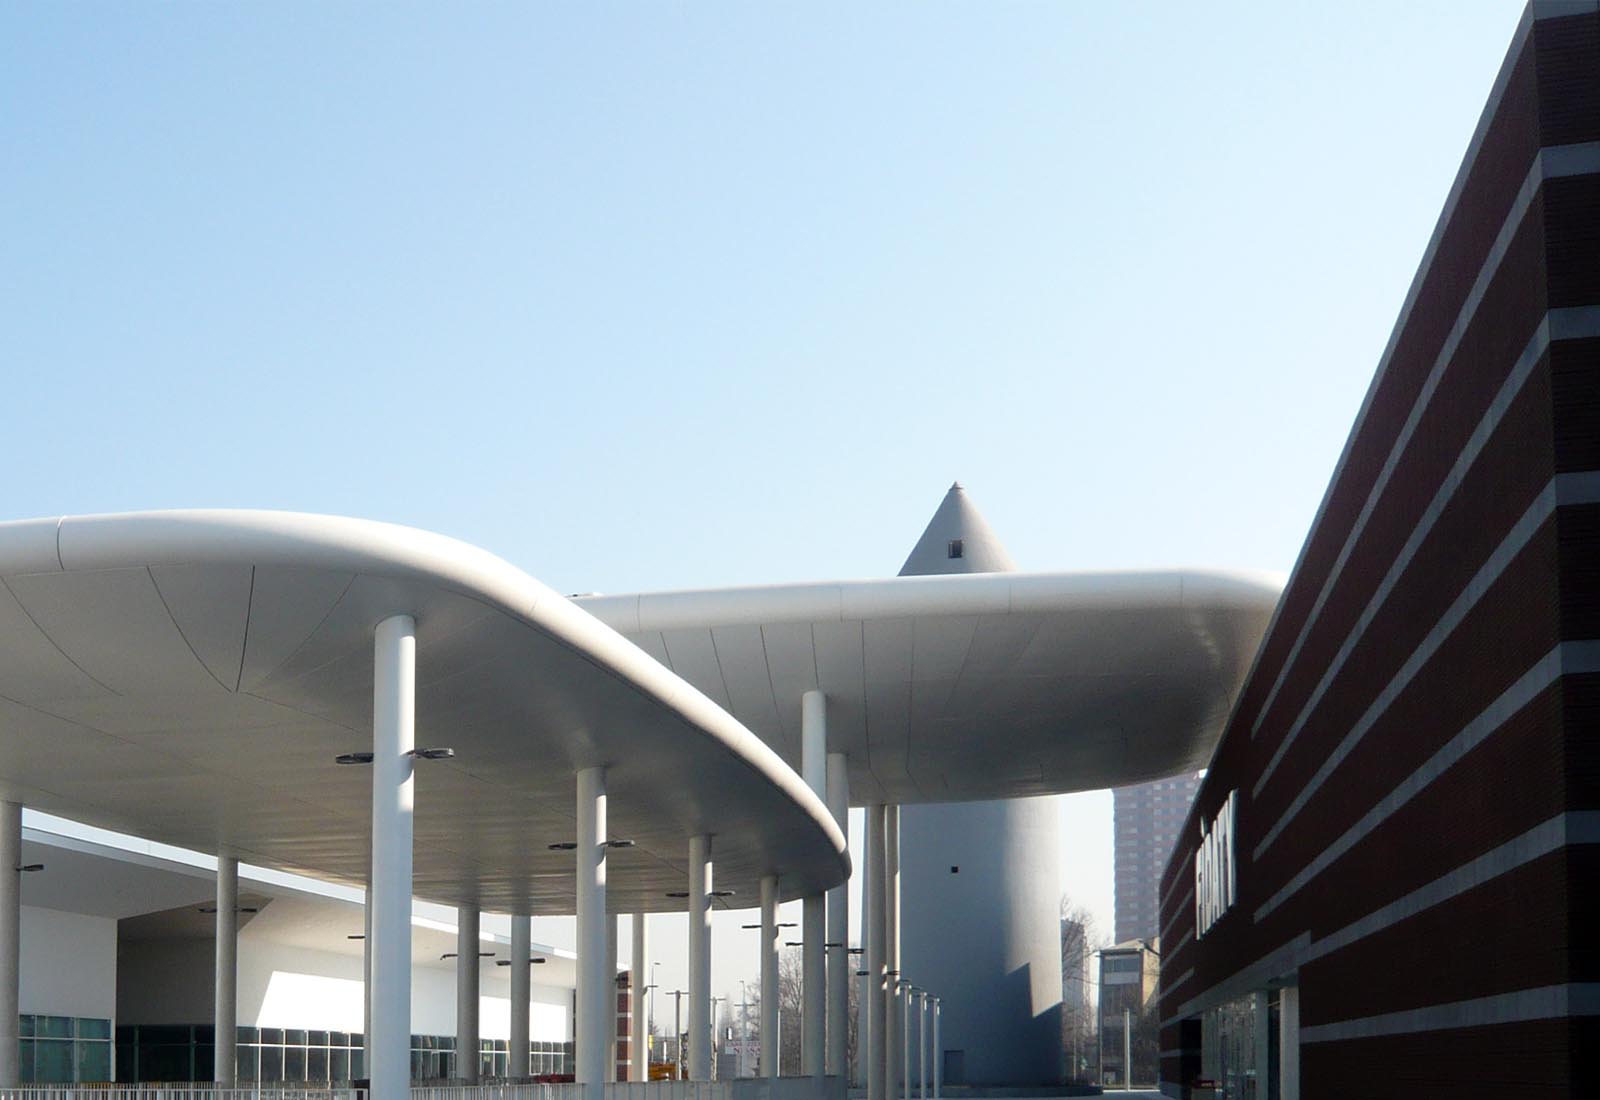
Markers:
(1148, 818)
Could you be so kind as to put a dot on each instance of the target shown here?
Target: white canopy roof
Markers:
(189, 677)
(974, 686)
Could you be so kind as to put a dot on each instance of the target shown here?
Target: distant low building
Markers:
(1129, 973)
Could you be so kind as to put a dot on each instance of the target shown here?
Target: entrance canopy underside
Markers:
(189, 677)
(975, 686)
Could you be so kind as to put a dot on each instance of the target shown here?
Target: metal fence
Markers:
(669, 1090)
(787, 1088)
(497, 1090)
(178, 1090)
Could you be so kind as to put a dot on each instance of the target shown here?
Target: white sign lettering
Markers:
(1216, 879)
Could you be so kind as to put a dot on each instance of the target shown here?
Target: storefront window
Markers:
(64, 1050)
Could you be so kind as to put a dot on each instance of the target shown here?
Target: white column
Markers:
(225, 1014)
(769, 976)
(638, 978)
(393, 738)
(611, 997)
(467, 1052)
(10, 940)
(938, 1055)
(813, 984)
(1289, 1042)
(922, 1045)
(839, 965)
(872, 925)
(813, 919)
(700, 958)
(590, 1022)
(366, 980)
(905, 1038)
(891, 949)
(521, 994)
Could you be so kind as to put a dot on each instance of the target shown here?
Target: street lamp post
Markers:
(905, 1038)
(677, 996)
(650, 1022)
(713, 1036)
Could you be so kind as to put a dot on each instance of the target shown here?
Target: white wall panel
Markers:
(69, 964)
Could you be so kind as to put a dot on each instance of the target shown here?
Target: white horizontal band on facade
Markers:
(1566, 658)
(1549, 1002)
(1576, 827)
(1520, 372)
(1562, 830)
(1180, 879)
(1168, 987)
(1186, 906)
(1276, 964)
(1550, 163)
(1430, 252)
(1563, 489)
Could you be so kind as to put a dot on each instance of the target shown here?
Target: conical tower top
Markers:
(957, 540)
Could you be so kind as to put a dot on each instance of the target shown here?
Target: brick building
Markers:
(1397, 894)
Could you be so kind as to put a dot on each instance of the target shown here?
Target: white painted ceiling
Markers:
(977, 686)
(189, 678)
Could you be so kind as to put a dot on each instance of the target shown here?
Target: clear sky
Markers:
(670, 295)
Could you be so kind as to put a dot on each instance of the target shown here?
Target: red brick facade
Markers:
(1415, 752)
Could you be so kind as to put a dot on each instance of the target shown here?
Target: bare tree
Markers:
(791, 999)
(1081, 937)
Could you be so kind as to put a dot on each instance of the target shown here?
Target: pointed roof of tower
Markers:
(957, 540)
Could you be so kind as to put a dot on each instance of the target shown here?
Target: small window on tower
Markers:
(956, 549)
(955, 870)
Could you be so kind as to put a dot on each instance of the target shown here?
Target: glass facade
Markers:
(64, 1049)
(1239, 1047)
(274, 1055)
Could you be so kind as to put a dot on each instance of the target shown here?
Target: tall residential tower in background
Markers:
(1148, 818)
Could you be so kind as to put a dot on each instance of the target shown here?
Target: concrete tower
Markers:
(981, 886)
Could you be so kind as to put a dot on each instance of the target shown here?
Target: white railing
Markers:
(669, 1090)
(178, 1090)
(787, 1088)
(749, 1088)
(496, 1090)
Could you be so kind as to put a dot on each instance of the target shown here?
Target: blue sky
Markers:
(646, 296)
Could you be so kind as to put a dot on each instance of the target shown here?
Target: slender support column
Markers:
(611, 997)
(905, 1039)
(366, 981)
(839, 966)
(872, 924)
(700, 958)
(813, 984)
(893, 1026)
(521, 994)
(769, 976)
(393, 738)
(590, 1024)
(922, 1045)
(467, 971)
(225, 1015)
(1289, 1042)
(10, 940)
(813, 921)
(638, 978)
(938, 1055)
